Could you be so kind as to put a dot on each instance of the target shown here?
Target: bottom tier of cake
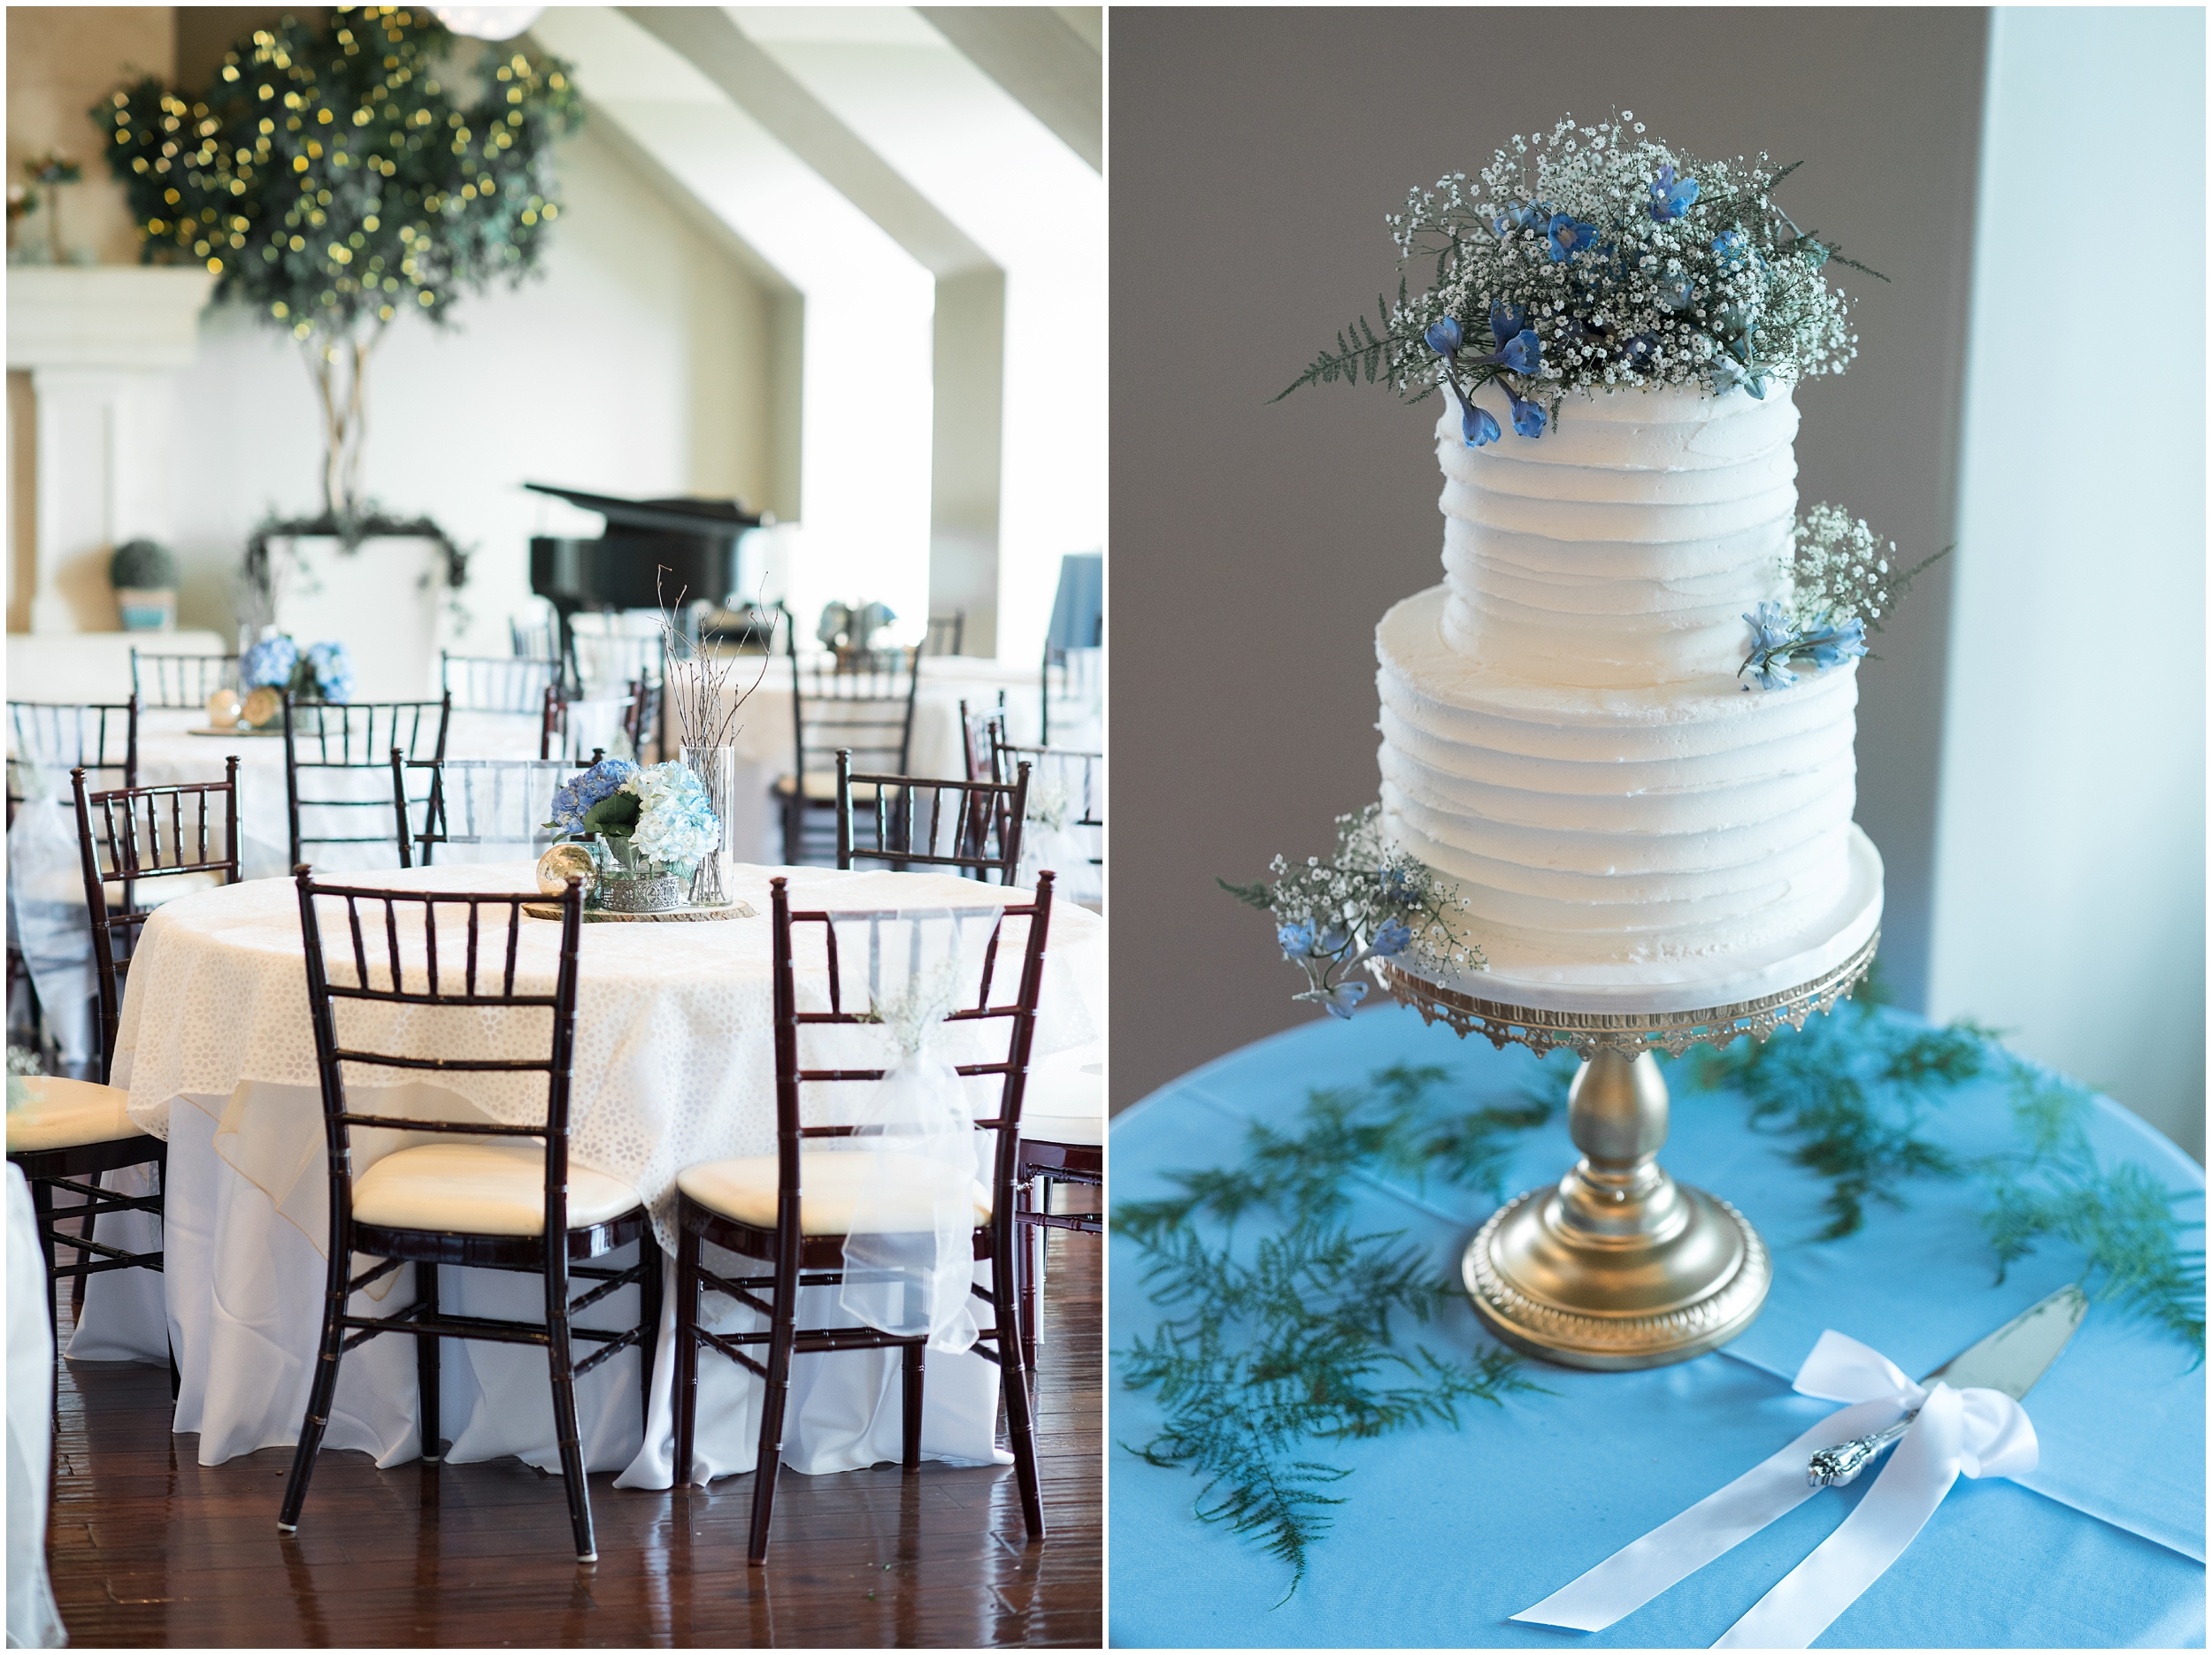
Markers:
(1688, 840)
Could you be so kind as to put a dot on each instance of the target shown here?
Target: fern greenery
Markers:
(1854, 1090)
(1256, 1361)
(2055, 1189)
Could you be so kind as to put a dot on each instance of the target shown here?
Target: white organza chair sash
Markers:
(912, 969)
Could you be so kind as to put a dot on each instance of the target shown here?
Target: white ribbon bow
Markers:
(1981, 1433)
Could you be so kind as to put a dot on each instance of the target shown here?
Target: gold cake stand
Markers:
(1619, 1266)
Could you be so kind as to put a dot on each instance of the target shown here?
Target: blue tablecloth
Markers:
(1447, 1533)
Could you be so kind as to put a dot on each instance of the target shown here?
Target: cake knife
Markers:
(2010, 1360)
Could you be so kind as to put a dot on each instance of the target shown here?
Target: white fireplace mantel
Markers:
(144, 317)
(101, 343)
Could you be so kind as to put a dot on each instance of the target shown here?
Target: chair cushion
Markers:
(1063, 1105)
(64, 1113)
(481, 1190)
(832, 1182)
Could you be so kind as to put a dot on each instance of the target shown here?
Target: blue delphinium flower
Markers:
(1772, 642)
(1731, 248)
(1637, 349)
(1569, 237)
(1833, 645)
(1770, 628)
(1528, 418)
(1671, 197)
(334, 671)
(1297, 940)
(269, 663)
(1676, 295)
(1338, 1000)
(1522, 354)
(1477, 426)
(1727, 374)
(1333, 941)
(1391, 938)
(1443, 337)
(1768, 674)
(1507, 321)
(1532, 215)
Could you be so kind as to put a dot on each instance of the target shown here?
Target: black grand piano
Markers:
(653, 551)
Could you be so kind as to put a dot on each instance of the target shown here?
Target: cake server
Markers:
(2010, 1360)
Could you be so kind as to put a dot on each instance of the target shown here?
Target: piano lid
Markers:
(717, 519)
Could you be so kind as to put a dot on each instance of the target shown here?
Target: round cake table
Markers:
(674, 1065)
(1445, 1533)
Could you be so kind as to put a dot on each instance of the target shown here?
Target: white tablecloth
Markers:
(674, 1065)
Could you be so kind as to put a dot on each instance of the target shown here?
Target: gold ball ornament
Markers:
(262, 705)
(560, 862)
(223, 709)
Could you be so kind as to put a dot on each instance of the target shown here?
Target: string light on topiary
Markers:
(308, 147)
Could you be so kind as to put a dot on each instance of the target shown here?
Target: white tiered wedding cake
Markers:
(1563, 732)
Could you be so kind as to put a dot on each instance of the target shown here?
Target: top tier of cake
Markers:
(1624, 547)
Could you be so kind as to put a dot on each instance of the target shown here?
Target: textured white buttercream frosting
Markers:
(1563, 732)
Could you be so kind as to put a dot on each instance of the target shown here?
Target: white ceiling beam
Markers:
(1047, 67)
(752, 80)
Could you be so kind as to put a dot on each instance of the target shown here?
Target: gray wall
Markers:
(1254, 154)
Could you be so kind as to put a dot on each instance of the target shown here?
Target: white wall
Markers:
(2071, 855)
(639, 364)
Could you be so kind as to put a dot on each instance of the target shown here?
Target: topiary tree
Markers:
(341, 176)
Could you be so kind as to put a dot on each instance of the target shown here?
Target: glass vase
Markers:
(716, 771)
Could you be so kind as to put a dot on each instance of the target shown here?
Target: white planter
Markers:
(147, 608)
(384, 601)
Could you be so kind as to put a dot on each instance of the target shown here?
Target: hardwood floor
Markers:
(149, 1548)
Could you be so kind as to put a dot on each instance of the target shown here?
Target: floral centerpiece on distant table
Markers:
(651, 827)
(277, 666)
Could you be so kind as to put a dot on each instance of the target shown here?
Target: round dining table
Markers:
(674, 1065)
(1449, 1528)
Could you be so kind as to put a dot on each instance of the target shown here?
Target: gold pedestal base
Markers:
(1619, 1266)
(1547, 1291)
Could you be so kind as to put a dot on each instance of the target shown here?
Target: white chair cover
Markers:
(47, 918)
(911, 969)
(33, 1622)
(1063, 790)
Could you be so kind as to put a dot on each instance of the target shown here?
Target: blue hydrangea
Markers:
(574, 797)
(676, 825)
(269, 663)
(334, 671)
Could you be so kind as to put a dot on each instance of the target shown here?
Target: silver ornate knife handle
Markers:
(1833, 1468)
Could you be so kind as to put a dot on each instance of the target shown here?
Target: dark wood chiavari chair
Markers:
(975, 738)
(180, 681)
(757, 1207)
(918, 822)
(946, 634)
(863, 703)
(1063, 1141)
(48, 737)
(402, 1209)
(68, 1133)
(322, 737)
